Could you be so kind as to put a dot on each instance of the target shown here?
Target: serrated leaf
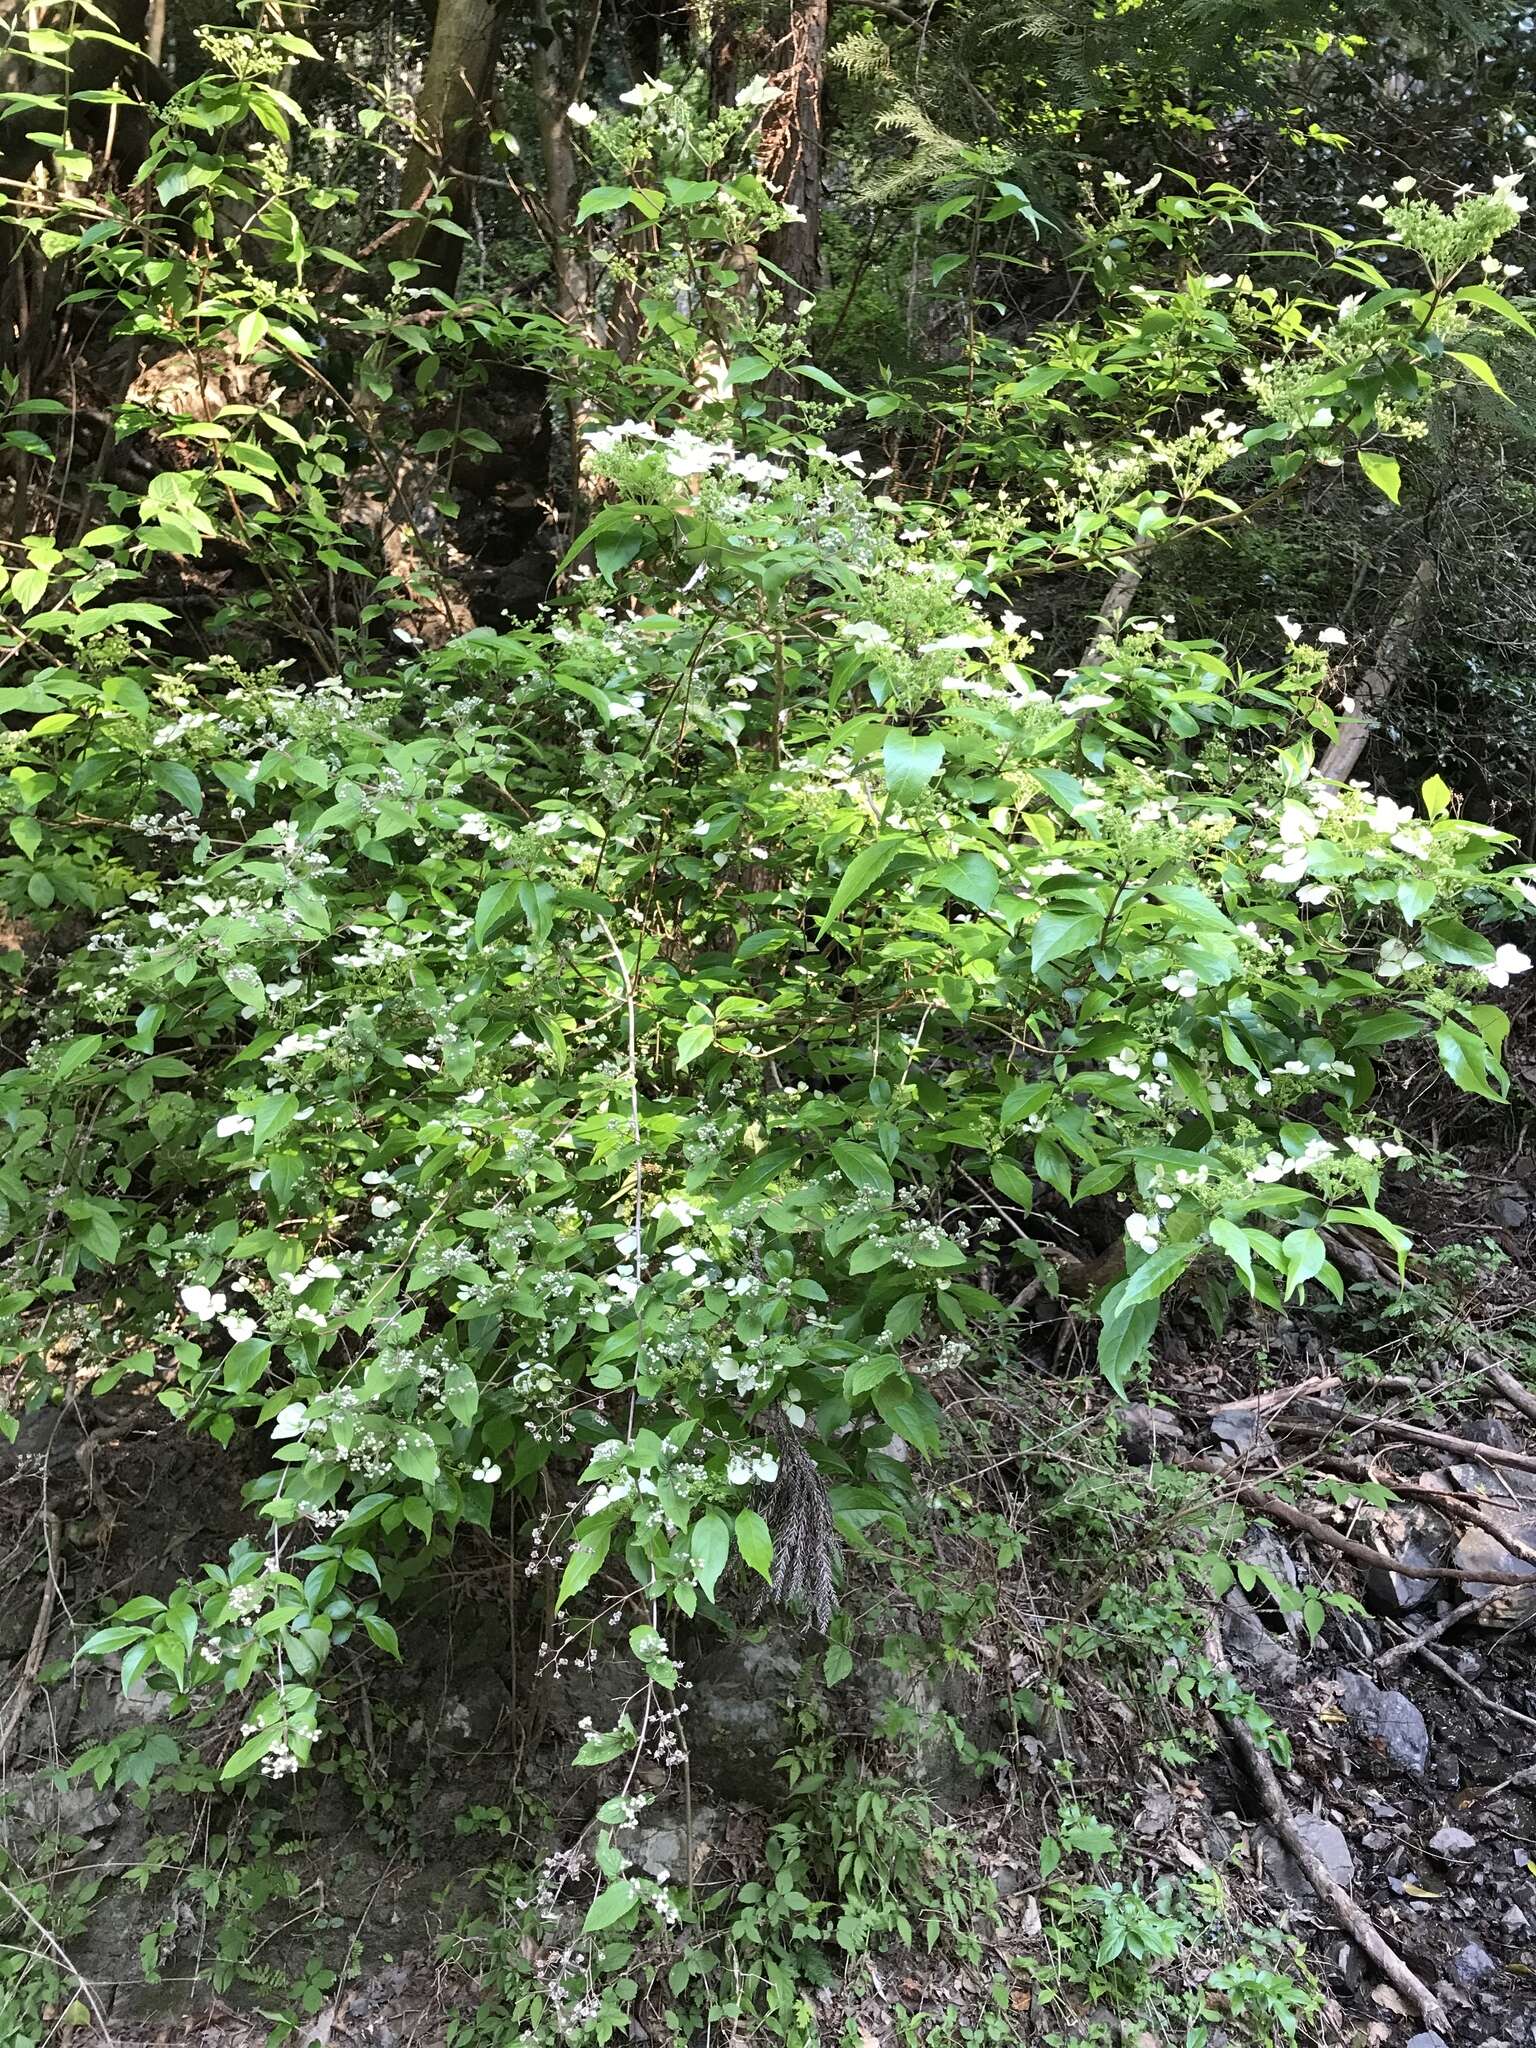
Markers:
(755, 1542)
(912, 760)
(863, 1165)
(610, 1906)
(862, 873)
(709, 1545)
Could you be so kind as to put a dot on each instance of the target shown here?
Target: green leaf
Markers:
(603, 199)
(864, 1167)
(755, 1542)
(610, 1906)
(1305, 1256)
(863, 871)
(836, 1664)
(1466, 1059)
(417, 1461)
(912, 1413)
(1383, 473)
(692, 1040)
(497, 904)
(1010, 1179)
(1125, 1336)
(710, 1545)
(585, 1560)
(382, 1635)
(177, 780)
(1233, 1240)
(1155, 1275)
(912, 760)
(1480, 370)
(1059, 932)
(247, 986)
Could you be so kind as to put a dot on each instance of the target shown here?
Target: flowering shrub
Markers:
(622, 1051)
(611, 1065)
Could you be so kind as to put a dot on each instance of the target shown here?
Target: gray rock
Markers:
(1241, 1429)
(1514, 1921)
(739, 1720)
(1479, 1552)
(1449, 1843)
(1325, 1841)
(1414, 1536)
(1263, 1549)
(1509, 1213)
(661, 1846)
(1429, 2041)
(1250, 1644)
(1472, 1965)
(1492, 1430)
(1148, 1434)
(1387, 1718)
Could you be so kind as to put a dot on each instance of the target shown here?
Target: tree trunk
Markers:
(558, 73)
(450, 119)
(791, 150)
(1380, 680)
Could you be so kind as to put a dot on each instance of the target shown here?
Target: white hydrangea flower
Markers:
(1507, 961)
(201, 1304)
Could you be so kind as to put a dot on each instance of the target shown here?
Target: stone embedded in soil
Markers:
(1413, 1536)
(1148, 1434)
(1327, 1844)
(1450, 1843)
(1471, 1965)
(1387, 1718)
(1428, 2041)
(1250, 1644)
(1479, 1552)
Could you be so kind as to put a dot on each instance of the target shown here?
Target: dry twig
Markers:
(32, 1663)
(1361, 1929)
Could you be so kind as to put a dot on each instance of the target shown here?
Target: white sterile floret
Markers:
(486, 1472)
(1143, 1231)
(233, 1127)
(758, 92)
(1396, 957)
(1506, 961)
(201, 1304)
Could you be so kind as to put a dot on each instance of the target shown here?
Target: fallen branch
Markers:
(1356, 1923)
(1278, 1397)
(1495, 1708)
(26, 1677)
(1513, 1783)
(1358, 1553)
(1398, 1653)
(1413, 1433)
(1516, 1395)
(1380, 679)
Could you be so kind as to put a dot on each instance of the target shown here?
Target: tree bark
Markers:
(791, 146)
(1380, 680)
(558, 72)
(450, 119)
